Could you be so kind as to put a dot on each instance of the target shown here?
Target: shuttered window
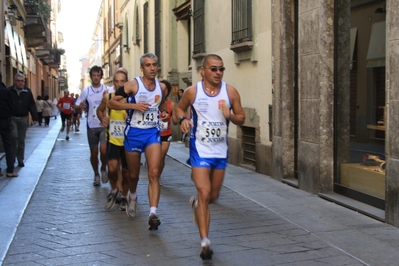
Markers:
(199, 27)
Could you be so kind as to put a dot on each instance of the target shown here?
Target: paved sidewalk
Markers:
(256, 221)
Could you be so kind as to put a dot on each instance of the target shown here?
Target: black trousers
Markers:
(5, 132)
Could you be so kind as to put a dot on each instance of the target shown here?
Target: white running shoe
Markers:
(104, 176)
(131, 208)
(193, 204)
(96, 181)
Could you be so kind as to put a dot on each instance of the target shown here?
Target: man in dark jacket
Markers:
(5, 127)
(23, 104)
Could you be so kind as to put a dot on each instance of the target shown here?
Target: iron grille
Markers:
(249, 146)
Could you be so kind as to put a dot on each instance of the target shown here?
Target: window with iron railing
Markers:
(157, 13)
(199, 27)
(145, 27)
(241, 35)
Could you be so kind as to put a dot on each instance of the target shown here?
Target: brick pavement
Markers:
(65, 224)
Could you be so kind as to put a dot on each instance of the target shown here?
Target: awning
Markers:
(18, 49)
(23, 52)
(11, 44)
(352, 45)
(376, 51)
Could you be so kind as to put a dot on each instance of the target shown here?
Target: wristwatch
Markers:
(181, 119)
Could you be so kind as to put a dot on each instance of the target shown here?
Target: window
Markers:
(145, 12)
(199, 28)
(241, 35)
(157, 13)
(111, 20)
(137, 28)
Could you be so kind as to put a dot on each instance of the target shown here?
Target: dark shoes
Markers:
(153, 222)
(21, 164)
(206, 253)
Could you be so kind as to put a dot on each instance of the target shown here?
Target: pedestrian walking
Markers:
(39, 108)
(23, 104)
(115, 122)
(5, 127)
(211, 101)
(145, 96)
(92, 96)
(55, 108)
(47, 111)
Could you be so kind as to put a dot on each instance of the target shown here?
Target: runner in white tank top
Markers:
(145, 103)
(211, 103)
(92, 96)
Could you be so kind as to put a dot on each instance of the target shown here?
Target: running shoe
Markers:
(118, 197)
(111, 199)
(123, 204)
(96, 181)
(131, 207)
(193, 205)
(104, 176)
(67, 138)
(206, 253)
(153, 222)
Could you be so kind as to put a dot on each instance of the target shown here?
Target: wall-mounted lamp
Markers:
(11, 18)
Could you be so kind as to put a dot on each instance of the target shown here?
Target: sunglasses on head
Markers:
(214, 68)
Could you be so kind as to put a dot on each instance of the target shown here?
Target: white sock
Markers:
(153, 210)
(205, 242)
(133, 196)
(114, 191)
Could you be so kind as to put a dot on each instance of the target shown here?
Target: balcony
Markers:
(37, 16)
(49, 56)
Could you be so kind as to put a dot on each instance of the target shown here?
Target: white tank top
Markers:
(210, 126)
(92, 97)
(148, 119)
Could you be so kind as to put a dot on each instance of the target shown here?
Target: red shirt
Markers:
(66, 104)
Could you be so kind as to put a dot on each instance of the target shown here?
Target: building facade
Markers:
(31, 45)
(316, 79)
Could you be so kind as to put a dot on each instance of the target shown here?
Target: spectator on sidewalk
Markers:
(55, 108)
(5, 127)
(92, 96)
(39, 109)
(65, 104)
(145, 96)
(47, 111)
(166, 130)
(115, 122)
(23, 105)
(208, 140)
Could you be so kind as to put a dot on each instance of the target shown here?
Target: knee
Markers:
(204, 195)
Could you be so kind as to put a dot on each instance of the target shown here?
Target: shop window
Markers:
(361, 118)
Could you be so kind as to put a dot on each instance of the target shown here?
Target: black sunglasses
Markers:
(214, 68)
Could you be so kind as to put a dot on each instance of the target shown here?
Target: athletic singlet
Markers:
(92, 97)
(116, 125)
(209, 134)
(148, 119)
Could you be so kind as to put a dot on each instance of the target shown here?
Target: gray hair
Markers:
(147, 55)
(19, 75)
